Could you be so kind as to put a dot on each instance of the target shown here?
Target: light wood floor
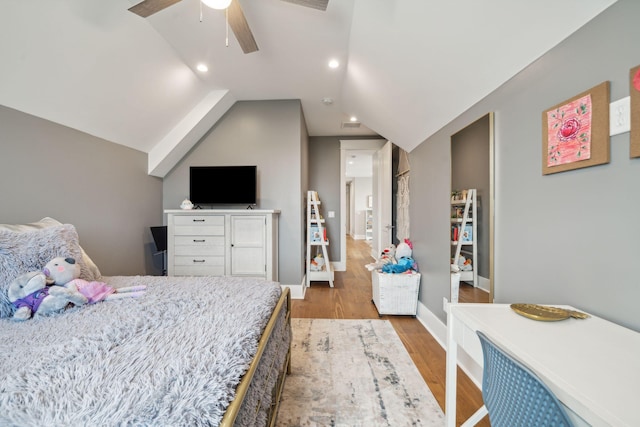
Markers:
(350, 298)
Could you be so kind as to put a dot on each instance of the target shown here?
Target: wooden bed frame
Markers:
(234, 407)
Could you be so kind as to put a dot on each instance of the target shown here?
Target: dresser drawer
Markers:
(200, 230)
(208, 225)
(205, 265)
(198, 260)
(199, 245)
(203, 220)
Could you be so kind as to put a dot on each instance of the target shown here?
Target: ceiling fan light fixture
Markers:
(217, 4)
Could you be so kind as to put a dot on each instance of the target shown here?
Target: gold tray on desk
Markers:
(546, 313)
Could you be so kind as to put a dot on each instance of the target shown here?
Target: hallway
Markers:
(350, 298)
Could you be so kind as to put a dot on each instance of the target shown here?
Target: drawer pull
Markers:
(199, 240)
(198, 260)
(198, 220)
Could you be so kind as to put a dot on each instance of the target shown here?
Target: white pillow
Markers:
(90, 266)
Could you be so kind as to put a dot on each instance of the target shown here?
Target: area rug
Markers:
(353, 373)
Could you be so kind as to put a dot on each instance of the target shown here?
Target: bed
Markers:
(192, 351)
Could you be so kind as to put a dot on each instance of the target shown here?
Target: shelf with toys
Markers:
(317, 259)
(464, 248)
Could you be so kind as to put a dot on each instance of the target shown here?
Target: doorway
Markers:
(363, 148)
(472, 166)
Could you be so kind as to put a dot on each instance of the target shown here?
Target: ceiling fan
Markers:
(235, 16)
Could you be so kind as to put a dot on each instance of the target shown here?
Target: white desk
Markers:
(592, 365)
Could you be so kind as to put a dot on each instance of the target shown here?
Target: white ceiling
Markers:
(408, 66)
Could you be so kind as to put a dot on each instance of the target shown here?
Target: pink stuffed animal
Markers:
(66, 272)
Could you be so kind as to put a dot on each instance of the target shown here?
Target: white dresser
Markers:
(211, 242)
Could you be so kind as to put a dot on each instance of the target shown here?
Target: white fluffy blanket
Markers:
(170, 358)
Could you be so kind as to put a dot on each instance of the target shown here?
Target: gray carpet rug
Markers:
(353, 373)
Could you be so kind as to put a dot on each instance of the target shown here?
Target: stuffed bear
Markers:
(30, 295)
(65, 272)
(317, 263)
(388, 256)
(464, 264)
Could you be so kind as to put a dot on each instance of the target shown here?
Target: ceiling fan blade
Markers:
(316, 4)
(149, 7)
(240, 27)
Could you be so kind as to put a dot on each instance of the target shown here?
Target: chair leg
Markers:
(476, 417)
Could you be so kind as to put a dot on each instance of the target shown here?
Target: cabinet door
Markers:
(248, 251)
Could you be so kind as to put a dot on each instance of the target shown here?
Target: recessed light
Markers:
(353, 119)
(327, 101)
(334, 63)
(202, 68)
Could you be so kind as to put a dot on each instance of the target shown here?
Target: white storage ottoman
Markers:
(395, 293)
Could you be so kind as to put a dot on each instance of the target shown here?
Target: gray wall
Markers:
(268, 134)
(566, 238)
(324, 177)
(101, 188)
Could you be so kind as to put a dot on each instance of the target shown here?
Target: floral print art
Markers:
(569, 132)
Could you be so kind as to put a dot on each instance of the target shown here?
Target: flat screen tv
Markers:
(223, 185)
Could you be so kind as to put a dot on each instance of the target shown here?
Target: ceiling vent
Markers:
(350, 125)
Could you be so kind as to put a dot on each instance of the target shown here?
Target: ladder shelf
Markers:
(318, 265)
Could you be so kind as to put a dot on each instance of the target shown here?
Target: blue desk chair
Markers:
(514, 395)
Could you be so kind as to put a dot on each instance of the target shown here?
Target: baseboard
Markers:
(438, 330)
(297, 291)
(484, 283)
(359, 237)
(339, 266)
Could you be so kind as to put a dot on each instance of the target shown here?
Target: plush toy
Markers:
(30, 295)
(404, 249)
(465, 264)
(317, 263)
(404, 261)
(404, 264)
(388, 256)
(65, 272)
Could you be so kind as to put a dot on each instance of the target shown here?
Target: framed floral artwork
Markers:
(634, 90)
(575, 133)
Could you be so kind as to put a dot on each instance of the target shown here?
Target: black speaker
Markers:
(160, 237)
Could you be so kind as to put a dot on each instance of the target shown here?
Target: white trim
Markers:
(186, 134)
(297, 291)
(339, 266)
(439, 332)
(484, 284)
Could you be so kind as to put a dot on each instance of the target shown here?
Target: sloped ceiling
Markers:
(408, 67)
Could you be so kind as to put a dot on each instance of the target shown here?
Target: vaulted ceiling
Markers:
(407, 67)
